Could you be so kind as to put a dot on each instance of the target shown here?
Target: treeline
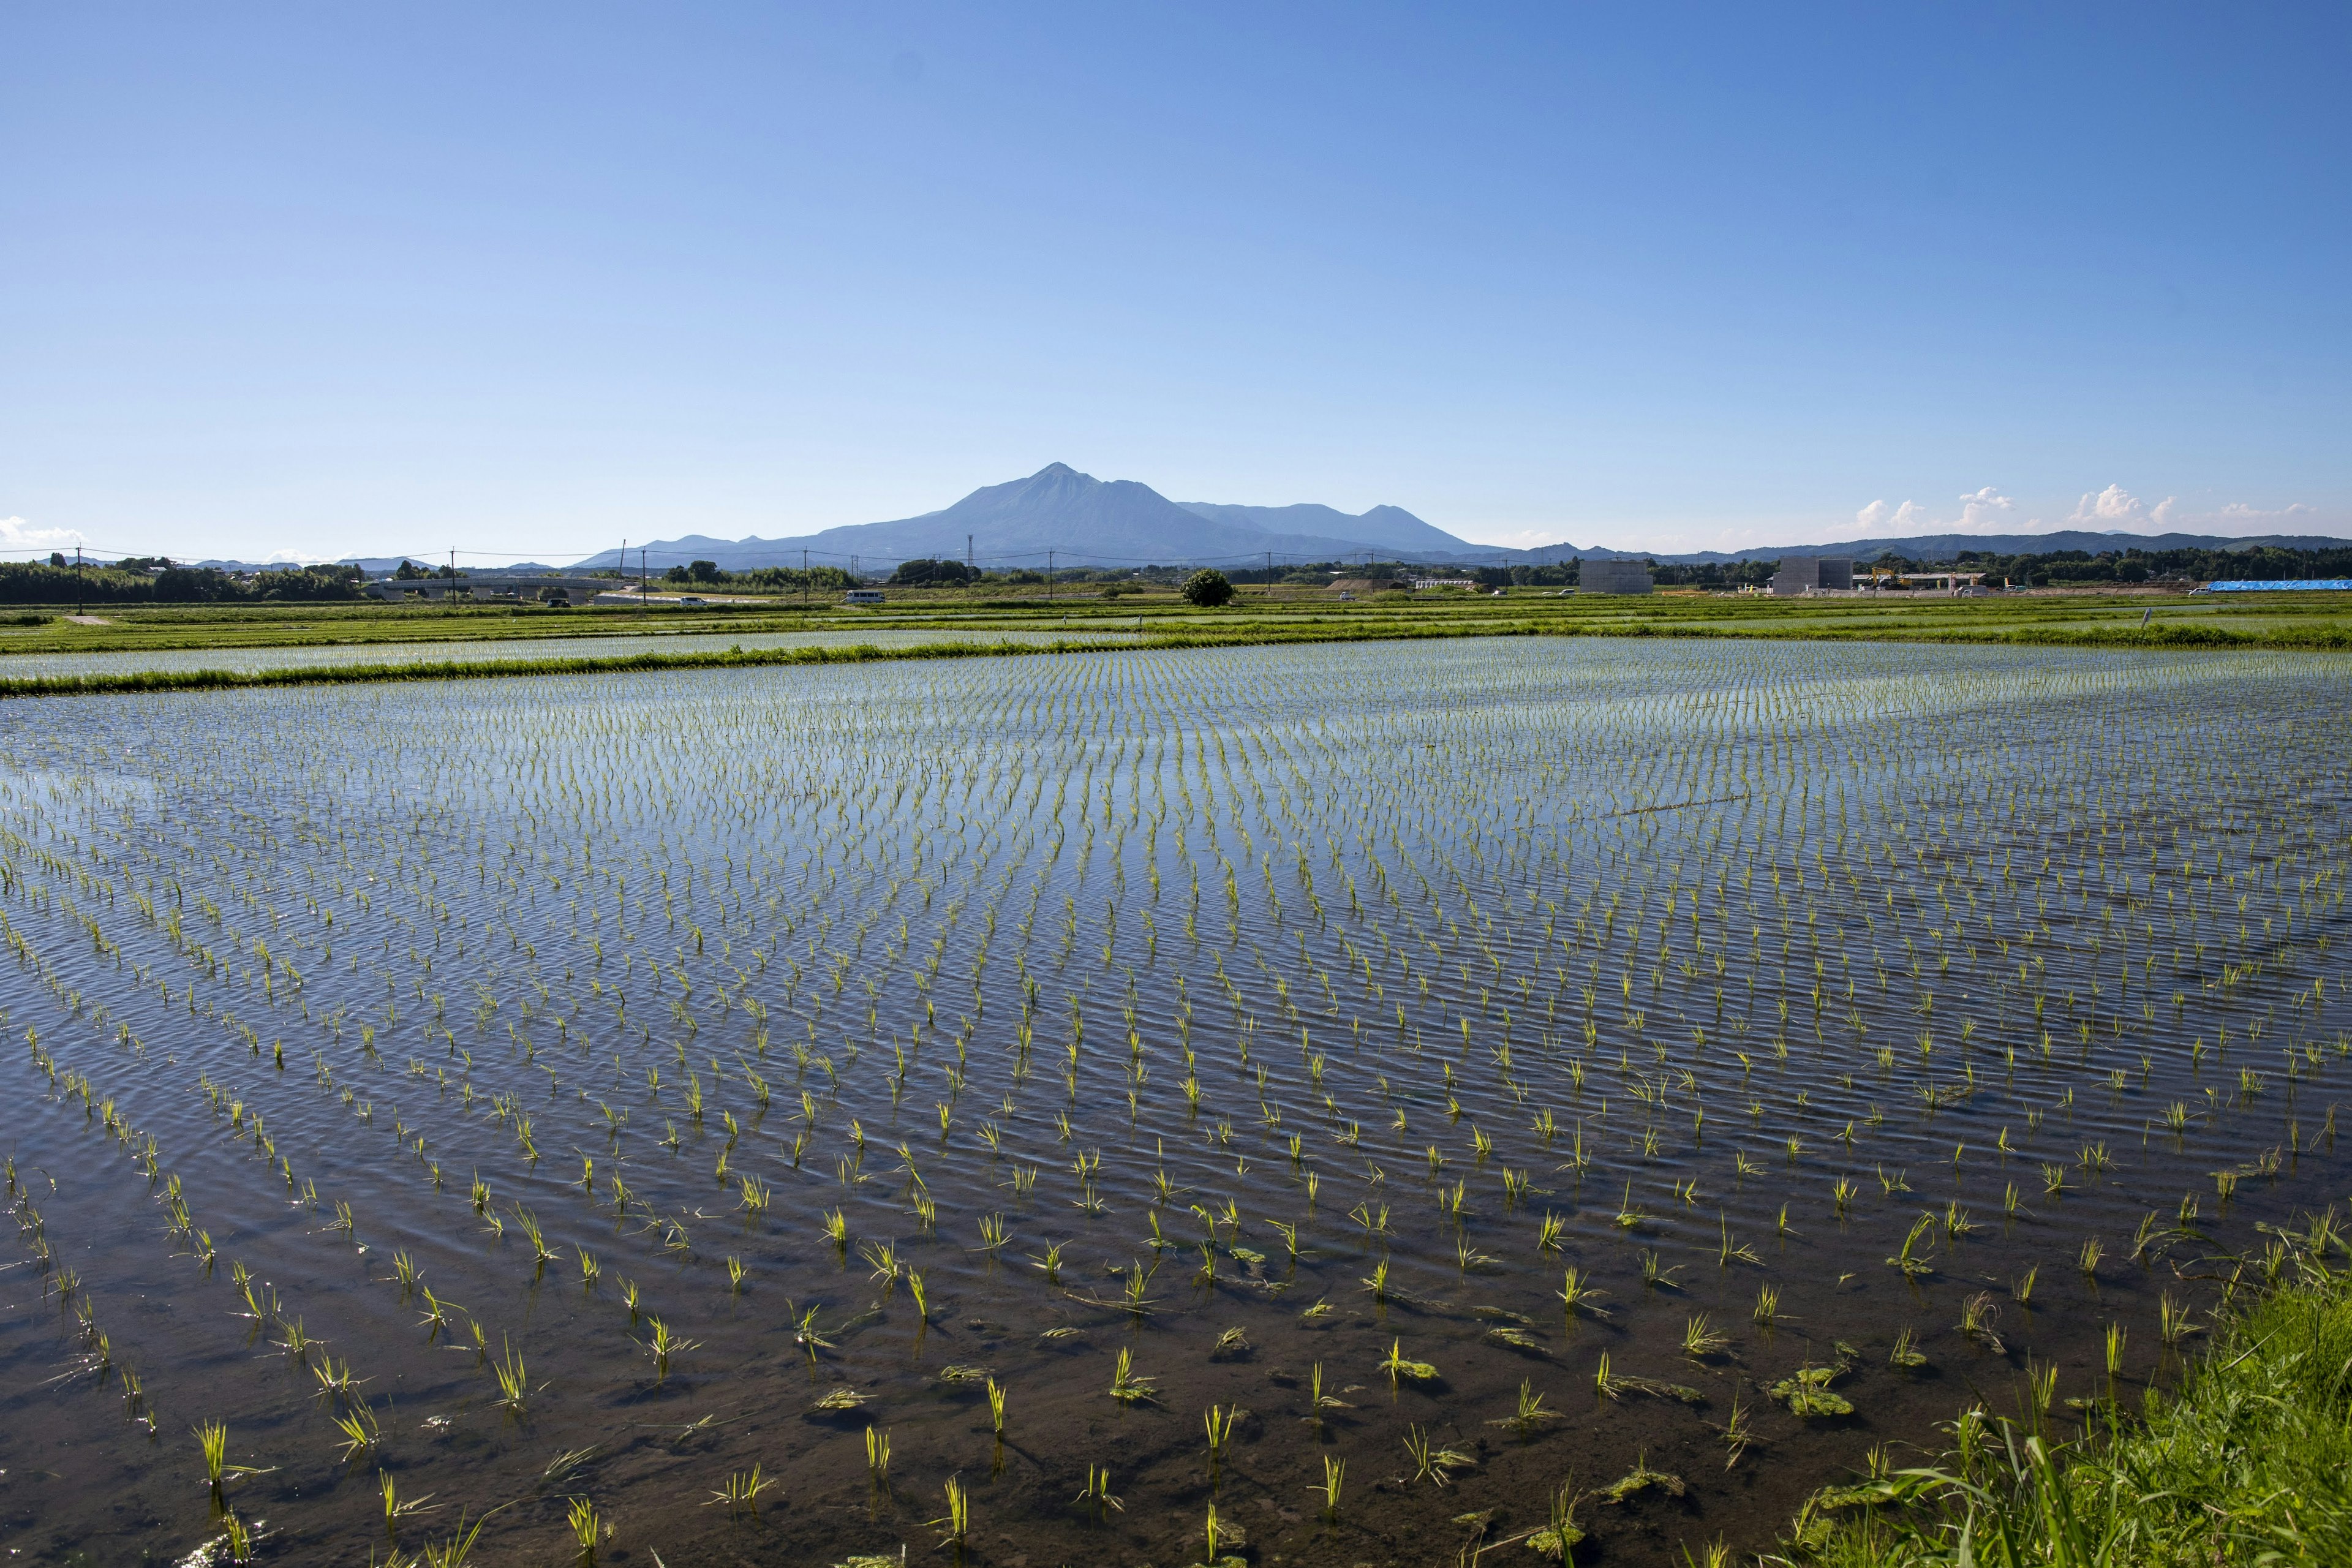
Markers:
(130, 583)
(2263, 564)
(759, 579)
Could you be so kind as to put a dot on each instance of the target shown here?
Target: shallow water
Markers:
(620, 645)
(1352, 938)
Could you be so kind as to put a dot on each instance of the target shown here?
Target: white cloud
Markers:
(1980, 509)
(2117, 506)
(17, 536)
(1907, 518)
(2238, 512)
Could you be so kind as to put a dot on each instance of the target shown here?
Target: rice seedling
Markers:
(1397, 1366)
(1979, 1313)
(1335, 1476)
(1700, 1341)
(878, 1455)
(1560, 1533)
(955, 1525)
(1126, 1385)
(580, 1518)
(1431, 1463)
(741, 1491)
(513, 1386)
(1581, 1296)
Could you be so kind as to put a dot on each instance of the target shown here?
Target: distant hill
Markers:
(1080, 521)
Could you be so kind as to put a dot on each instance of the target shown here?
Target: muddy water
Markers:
(1145, 957)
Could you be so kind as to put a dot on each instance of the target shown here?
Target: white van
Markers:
(861, 596)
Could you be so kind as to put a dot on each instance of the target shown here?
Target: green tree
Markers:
(1208, 589)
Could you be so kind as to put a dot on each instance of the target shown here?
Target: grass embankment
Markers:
(2249, 1462)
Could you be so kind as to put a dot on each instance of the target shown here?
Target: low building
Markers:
(1614, 577)
(1421, 584)
(1369, 585)
(1814, 574)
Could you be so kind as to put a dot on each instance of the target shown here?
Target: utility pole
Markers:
(81, 590)
(967, 556)
(1049, 576)
(804, 582)
(642, 570)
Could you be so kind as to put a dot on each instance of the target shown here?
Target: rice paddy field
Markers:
(1398, 1103)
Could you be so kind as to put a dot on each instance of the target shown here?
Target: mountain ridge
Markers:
(1062, 517)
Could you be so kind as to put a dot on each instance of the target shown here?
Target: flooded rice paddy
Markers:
(616, 645)
(1352, 1092)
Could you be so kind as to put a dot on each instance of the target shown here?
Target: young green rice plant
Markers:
(878, 1455)
(514, 1386)
(1766, 1310)
(1700, 1341)
(1126, 1385)
(580, 1518)
(1978, 1314)
(955, 1525)
(1432, 1463)
(915, 1291)
(1906, 1354)
(741, 1491)
(1335, 1476)
(2088, 1259)
(735, 1275)
(1560, 1533)
(395, 1507)
(1579, 1295)
(1397, 1366)
(1530, 1414)
(1096, 1491)
(2173, 1322)
(1913, 1263)
(1317, 1400)
(1220, 1421)
(996, 1407)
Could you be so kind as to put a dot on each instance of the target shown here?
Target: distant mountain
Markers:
(1077, 519)
(1390, 529)
(1080, 521)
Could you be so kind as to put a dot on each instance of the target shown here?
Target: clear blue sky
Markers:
(332, 279)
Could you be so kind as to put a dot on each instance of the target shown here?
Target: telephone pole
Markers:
(804, 582)
(81, 589)
(1049, 576)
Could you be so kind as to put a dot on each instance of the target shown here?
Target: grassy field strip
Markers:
(1253, 634)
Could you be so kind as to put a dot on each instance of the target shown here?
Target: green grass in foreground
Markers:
(2248, 1463)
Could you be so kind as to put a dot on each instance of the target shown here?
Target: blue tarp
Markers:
(2292, 585)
